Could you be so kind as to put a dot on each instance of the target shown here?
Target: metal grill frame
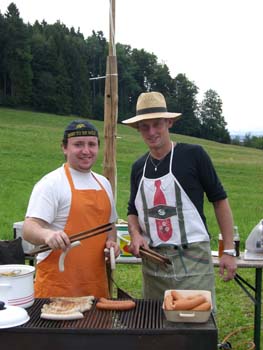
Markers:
(143, 328)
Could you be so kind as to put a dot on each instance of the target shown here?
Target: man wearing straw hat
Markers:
(165, 209)
(69, 200)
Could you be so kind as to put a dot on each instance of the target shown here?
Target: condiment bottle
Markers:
(220, 245)
(237, 240)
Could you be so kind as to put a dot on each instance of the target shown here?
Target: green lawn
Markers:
(30, 147)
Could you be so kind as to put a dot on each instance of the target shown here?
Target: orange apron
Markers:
(85, 269)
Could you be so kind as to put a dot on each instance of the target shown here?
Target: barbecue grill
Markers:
(142, 328)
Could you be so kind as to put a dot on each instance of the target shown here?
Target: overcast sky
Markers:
(216, 43)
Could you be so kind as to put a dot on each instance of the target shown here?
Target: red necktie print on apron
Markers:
(163, 226)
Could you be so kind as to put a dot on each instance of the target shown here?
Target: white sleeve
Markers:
(43, 201)
(106, 184)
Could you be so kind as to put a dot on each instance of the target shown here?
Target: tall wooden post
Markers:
(111, 106)
(111, 115)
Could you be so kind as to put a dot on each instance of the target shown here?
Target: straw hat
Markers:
(150, 105)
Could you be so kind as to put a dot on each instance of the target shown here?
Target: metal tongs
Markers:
(155, 257)
(76, 237)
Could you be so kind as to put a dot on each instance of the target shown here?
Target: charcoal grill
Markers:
(143, 328)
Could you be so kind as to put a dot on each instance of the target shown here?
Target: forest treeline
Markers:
(54, 69)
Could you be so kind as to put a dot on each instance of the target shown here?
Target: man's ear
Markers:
(170, 122)
(63, 148)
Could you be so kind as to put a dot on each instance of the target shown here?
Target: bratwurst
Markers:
(108, 304)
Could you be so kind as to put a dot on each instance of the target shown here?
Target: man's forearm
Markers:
(112, 235)
(133, 225)
(35, 231)
(225, 222)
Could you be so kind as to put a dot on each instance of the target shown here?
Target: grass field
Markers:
(30, 147)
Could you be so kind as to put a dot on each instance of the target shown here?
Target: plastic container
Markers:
(189, 315)
(124, 240)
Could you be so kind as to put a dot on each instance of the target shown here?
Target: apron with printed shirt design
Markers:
(168, 218)
(85, 271)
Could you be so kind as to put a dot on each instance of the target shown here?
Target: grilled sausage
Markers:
(105, 300)
(107, 304)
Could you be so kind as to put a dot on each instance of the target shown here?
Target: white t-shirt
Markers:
(51, 197)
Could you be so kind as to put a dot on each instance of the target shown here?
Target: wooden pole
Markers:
(111, 107)
(111, 117)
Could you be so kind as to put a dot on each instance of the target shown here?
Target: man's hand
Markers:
(227, 267)
(110, 243)
(137, 241)
(57, 240)
(38, 231)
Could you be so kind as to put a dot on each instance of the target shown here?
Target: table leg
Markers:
(257, 315)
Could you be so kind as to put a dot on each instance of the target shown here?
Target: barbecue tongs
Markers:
(155, 257)
(77, 237)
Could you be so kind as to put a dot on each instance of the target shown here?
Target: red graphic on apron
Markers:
(163, 226)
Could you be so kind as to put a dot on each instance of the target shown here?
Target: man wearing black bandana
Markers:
(69, 200)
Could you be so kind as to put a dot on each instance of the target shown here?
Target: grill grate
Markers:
(147, 314)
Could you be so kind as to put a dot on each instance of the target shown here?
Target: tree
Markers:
(213, 125)
(253, 141)
(43, 66)
(75, 54)
(147, 75)
(61, 83)
(97, 49)
(16, 60)
(3, 40)
(183, 100)
(161, 79)
(128, 86)
(144, 65)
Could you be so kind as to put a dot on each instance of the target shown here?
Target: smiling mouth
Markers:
(85, 158)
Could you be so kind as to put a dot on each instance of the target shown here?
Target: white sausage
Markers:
(60, 317)
(112, 258)
(63, 255)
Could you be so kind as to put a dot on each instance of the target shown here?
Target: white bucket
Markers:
(17, 289)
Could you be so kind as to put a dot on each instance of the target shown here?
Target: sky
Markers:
(217, 44)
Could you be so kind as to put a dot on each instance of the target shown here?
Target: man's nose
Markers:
(151, 129)
(86, 149)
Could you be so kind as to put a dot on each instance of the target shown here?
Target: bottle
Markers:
(220, 245)
(236, 240)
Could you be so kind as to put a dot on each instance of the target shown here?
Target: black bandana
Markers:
(80, 128)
